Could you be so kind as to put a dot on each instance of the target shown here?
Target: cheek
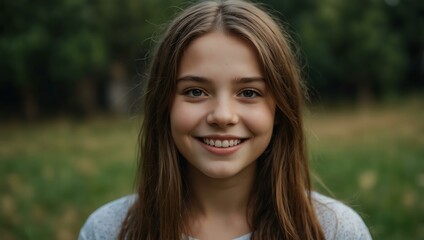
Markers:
(260, 120)
(184, 117)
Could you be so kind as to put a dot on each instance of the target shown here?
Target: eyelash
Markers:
(189, 93)
(255, 92)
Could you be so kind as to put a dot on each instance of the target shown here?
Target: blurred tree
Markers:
(20, 43)
(353, 48)
(352, 45)
(47, 43)
(407, 19)
(59, 53)
(128, 27)
(79, 51)
(70, 44)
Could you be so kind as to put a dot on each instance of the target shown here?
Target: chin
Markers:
(225, 172)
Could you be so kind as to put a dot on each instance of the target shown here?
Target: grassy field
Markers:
(54, 174)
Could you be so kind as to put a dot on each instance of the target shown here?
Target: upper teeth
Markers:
(222, 143)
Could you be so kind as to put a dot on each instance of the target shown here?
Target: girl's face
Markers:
(222, 115)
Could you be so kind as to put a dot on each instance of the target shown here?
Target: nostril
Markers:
(222, 120)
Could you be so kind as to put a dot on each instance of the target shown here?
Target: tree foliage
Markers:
(357, 48)
(372, 47)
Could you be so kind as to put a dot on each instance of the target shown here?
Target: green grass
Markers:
(54, 174)
(373, 160)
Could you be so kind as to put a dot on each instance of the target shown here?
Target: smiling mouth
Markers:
(221, 143)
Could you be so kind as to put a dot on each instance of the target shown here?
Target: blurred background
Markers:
(71, 76)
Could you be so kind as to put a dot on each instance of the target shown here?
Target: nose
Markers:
(222, 113)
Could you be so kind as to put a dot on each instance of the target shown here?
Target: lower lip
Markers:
(221, 151)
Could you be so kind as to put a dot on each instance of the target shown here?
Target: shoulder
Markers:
(337, 220)
(105, 222)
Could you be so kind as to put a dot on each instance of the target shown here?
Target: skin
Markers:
(221, 95)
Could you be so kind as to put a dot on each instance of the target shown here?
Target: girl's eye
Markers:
(195, 92)
(249, 93)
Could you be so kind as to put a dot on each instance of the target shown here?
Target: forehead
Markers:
(218, 53)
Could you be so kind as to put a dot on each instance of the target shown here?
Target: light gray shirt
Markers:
(337, 220)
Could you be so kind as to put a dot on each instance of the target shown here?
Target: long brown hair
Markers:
(281, 196)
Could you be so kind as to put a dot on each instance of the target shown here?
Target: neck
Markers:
(222, 197)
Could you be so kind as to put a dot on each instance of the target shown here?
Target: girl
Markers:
(222, 142)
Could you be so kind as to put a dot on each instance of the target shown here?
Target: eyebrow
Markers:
(193, 78)
(205, 80)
